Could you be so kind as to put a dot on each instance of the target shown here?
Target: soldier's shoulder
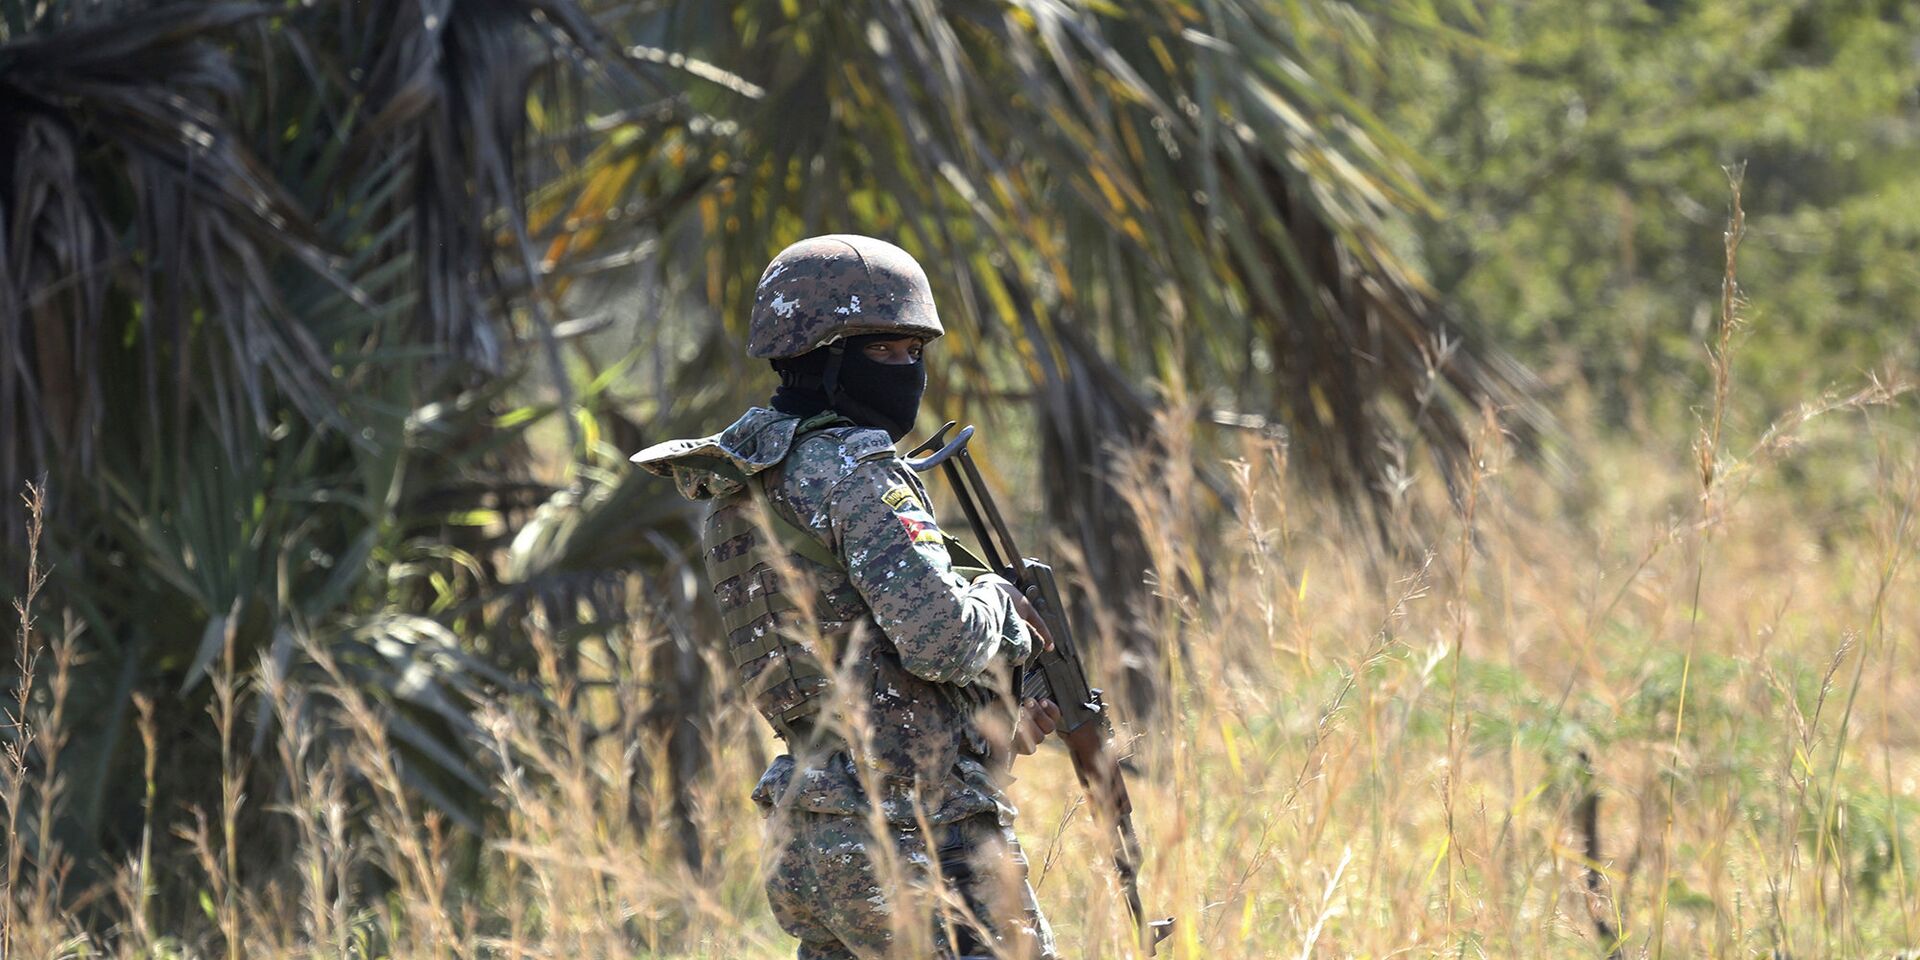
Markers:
(822, 459)
(716, 466)
(838, 451)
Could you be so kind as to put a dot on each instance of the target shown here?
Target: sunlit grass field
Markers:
(1634, 696)
(1633, 678)
(1600, 712)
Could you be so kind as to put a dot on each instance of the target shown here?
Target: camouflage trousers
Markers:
(847, 896)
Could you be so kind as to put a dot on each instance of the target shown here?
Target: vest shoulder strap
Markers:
(824, 420)
(790, 534)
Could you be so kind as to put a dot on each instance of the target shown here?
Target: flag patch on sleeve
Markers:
(920, 531)
(914, 517)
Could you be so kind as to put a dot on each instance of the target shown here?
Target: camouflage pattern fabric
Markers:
(846, 893)
(922, 656)
(840, 285)
(751, 445)
(925, 653)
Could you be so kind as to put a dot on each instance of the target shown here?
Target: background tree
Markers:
(276, 275)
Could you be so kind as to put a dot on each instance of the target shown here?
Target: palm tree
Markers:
(269, 270)
(1106, 195)
(258, 330)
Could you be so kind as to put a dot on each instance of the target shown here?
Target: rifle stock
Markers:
(1057, 674)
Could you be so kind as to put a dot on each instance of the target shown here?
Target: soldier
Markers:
(882, 667)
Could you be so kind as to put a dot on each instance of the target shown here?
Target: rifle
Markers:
(1056, 674)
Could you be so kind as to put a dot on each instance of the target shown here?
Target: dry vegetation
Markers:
(1648, 695)
(1654, 705)
(1345, 768)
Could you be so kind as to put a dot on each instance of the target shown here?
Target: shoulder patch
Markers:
(900, 495)
(918, 522)
(921, 531)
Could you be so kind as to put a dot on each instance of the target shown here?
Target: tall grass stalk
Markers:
(31, 782)
(1339, 767)
(1707, 451)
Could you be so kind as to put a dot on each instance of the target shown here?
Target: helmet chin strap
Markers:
(830, 377)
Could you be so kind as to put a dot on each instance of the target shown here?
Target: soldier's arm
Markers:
(947, 630)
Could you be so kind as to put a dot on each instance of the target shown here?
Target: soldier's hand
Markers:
(1025, 611)
(1038, 718)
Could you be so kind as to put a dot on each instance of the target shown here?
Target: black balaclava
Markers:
(840, 377)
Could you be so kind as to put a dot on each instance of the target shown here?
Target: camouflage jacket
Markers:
(925, 641)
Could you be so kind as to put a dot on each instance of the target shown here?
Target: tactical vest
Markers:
(777, 654)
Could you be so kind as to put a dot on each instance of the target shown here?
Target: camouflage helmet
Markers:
(822, 289)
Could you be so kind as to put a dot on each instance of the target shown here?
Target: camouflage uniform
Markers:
(827, 890)
(876, 663)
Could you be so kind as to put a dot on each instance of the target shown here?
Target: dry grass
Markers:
(1343, 768)
(1655, 708)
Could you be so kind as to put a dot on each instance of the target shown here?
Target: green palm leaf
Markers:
(1179, 183)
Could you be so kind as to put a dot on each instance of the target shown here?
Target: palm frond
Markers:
(1182, 185)
(129, 185)
(1105, 195)
(219, 224)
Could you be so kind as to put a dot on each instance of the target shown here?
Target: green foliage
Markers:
(282, 287)
(1578, 158)
(268, 264)
(1101, 195)
(253, 363)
